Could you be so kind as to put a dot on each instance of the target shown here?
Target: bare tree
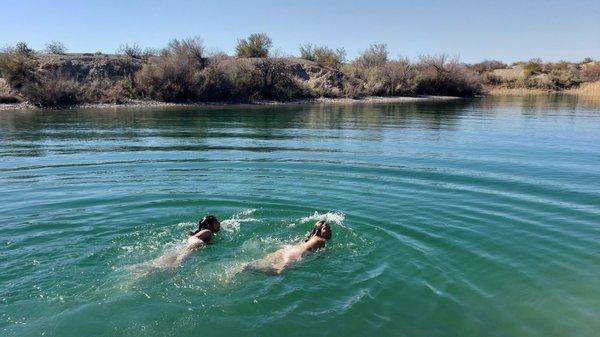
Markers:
(191, 48)
(55, 47)
(398, 75)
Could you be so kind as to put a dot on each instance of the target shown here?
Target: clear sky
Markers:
(473, 30)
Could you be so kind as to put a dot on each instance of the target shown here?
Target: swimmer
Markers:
(199, 238)
(277, 262)
(195, 240)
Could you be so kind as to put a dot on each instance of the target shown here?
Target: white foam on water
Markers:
(331, 217)
(186, 224)
(233, 224)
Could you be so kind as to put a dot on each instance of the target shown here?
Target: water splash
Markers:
(331, 217)
(186, 224)
(233, 224)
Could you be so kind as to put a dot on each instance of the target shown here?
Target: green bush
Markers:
(255, 45)
(534, 66)
(323, 55)
(374, 56)
(353, 88)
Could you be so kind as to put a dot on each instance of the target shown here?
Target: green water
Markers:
(463, 218)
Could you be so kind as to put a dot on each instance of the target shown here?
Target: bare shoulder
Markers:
(314, 243)
(203, 235)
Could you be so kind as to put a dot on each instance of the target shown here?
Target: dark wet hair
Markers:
(318, 226)
(205, 223)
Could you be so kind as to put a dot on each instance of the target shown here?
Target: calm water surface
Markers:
(463, 218)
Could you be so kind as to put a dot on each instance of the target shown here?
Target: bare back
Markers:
(277, 262)
(194, 242)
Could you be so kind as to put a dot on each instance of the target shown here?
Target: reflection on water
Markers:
(459, 218)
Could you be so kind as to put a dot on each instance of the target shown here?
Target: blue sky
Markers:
(472, 30)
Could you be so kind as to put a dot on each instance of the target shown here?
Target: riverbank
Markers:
(156, 104)
(183, 72)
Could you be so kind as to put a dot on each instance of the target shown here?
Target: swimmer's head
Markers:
(209, 222)
(321, 229)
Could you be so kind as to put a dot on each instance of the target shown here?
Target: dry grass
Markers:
(586, 89)
(501, 91)
(516, 73)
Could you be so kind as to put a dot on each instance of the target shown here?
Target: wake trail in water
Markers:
(290, 253)
(250, 255)
(172, 252)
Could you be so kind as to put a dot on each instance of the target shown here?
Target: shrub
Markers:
(374, 56)
(275, 80)
(55, 47)
(534, 66)
(587, 60)
(374, 81)
(23, 49)
(103, 90)
(192, 49)
(135, 51)
(489, 78)
(17, 67)
(244, 78)
(174, 75)
(255, 45)
(398, 77)
(390, 78)
(353, 88)
(440, 75)
(563, 78)
(323, 55)
(53, 90)
(590, 72)
(149, 52)
(216, 84)
(488, 65)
